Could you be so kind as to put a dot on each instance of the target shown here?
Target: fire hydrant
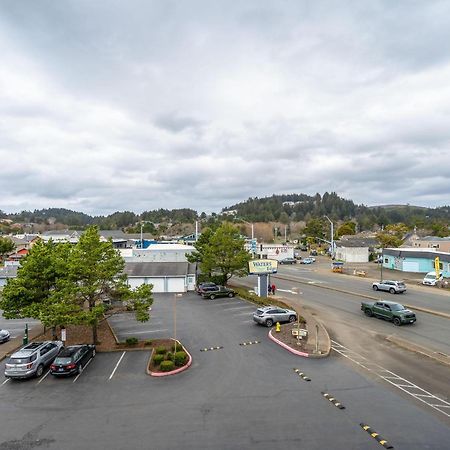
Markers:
(278, 328)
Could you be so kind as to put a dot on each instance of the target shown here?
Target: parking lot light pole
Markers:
(175, 320)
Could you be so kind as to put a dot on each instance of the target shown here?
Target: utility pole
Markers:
(332, 235)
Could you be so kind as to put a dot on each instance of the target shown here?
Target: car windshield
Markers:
(62, 360)
(259, 312)
(397, 307)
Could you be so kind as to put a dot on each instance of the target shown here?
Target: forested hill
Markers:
(301, 207)
(276, 208)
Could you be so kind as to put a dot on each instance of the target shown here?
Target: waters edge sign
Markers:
(262, 266)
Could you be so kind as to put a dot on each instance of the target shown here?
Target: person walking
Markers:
(269, 289)
(273, 289)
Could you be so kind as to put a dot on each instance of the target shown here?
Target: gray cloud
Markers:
(139, 105)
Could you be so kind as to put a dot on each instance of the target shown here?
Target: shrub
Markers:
(180, 358)
(148, 342)
(169, 356)
(178, 348)
(167, 366)
(131, 341)
(161, 350)
(158, 359)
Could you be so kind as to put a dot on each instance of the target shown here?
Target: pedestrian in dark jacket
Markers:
(269, 289)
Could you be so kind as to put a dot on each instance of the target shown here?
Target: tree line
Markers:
(286, 208)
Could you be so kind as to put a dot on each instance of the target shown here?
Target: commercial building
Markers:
(416, 260)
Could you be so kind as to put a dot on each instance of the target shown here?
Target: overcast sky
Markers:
(139, 104)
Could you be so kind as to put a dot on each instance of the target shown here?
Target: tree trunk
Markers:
(54, 334)
(94, 333)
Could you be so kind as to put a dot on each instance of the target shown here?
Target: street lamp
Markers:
(175, 320)
(332, 235)
(253, 234)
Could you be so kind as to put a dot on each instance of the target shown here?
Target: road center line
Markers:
(117, 365)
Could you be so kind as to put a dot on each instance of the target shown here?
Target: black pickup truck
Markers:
(391, 311)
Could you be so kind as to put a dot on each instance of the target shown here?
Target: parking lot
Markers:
(233, 396)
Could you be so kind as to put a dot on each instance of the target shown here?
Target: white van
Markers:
(430, 278)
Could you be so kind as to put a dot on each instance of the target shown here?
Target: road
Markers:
(348, 326)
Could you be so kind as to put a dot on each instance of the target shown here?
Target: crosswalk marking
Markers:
(395, 380)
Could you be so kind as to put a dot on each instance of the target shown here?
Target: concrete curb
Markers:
(289, 349)
(112, 331)
(173, 372)
(436, 356)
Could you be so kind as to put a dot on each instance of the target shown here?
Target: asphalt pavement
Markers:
(236, 396)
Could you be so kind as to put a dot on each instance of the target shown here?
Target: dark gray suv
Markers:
(32, 359)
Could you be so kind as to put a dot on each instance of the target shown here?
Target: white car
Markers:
(4, 336)
(394, 287)
(430, 279)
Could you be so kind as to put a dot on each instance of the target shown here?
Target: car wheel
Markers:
(39, 370)
(80, 368)
(231, 294)
(392, 290)
(269, 323)
(397, 321)
(375, 287)
(368, 312)
(292, 319)
(212, 297)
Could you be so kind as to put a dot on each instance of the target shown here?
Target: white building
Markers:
(163, 265)
(274, 251)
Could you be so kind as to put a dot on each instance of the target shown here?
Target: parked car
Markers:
(71, 360)
(202, 286)
(271, 314)
(391, 311)
(4, 336)
(394, 287)
(307, 260)
(32, 359)
(218, 291)
(430, 279)
(288, 261)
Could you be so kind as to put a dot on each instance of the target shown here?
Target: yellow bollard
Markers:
(278, 328)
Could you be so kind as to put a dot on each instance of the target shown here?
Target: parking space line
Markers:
(76, 378)
(143, 332)
(117, 365)
(6, 381)
(238, 307)
(44, 377)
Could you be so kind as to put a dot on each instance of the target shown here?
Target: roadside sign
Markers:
(262, 266)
